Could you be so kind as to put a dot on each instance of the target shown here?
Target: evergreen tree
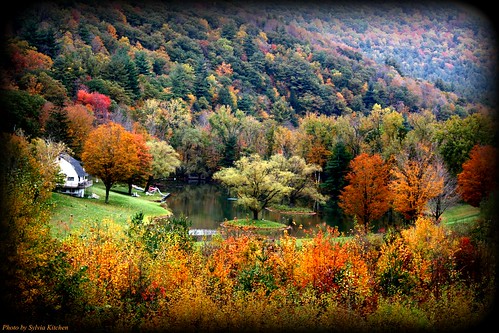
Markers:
(335, 171)
(122, 69)
(57, 126)
(143, 64)
(182, 80)
(224, 98)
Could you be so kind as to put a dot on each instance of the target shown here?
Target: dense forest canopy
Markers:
(263, 57)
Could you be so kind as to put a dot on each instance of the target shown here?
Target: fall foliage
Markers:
(272, 101)
(367, 195)
(111, 154)
(478, 178)
(415, 181)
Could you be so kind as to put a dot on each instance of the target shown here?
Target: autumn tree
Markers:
(144, 167)
(111, 154)
(256, 182)
(97, 102)
(478, 178)
(449, 195)
(31, 258)
(367, 195)
(457, 136)
(80, 124)
(415, 181)
(165, 160)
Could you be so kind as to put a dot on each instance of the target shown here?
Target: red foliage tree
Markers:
(99, 103)
(478, 178)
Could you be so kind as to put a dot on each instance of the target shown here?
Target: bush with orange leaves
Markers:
(336, 268)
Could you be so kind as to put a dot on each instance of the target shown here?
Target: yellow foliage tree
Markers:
(416, 180)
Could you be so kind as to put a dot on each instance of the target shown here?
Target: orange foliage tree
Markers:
(367, 196)
(111, 154)
(478, 178)
(144, 167)
(416, 180)
(79, 127)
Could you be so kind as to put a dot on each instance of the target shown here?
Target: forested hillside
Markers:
(220, 81)
(383, 114)
(263, 59)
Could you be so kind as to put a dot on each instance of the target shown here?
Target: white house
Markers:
(76, 179)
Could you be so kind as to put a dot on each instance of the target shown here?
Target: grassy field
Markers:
(120, 209)
(461, 213)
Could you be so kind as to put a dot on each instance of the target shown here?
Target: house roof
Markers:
(76, 165)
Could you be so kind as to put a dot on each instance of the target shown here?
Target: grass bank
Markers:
(461, 213)
(254, 224)
(75, 212)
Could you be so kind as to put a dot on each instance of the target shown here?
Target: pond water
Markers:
(208, 204)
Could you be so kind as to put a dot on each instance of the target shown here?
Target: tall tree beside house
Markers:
(111, 154)
(80, 124)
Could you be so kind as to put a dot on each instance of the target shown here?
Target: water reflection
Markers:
(207, 205)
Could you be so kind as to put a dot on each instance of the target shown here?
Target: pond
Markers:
(207, 205)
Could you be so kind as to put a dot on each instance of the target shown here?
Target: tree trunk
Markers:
(255, 214)
(130, 188)
(149, 181)
(108, 188)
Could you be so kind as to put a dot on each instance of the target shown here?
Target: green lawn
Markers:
(461, 213)
(120, 209)
(260, 224)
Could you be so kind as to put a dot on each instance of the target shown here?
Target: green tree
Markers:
(22, 111)
(57, 126)
(457, 136)
(123, 70)
(303, 181)
(337, 167)
(142, 63)
(165, 160)
(182, 80)
(256, 182)
(227, 126)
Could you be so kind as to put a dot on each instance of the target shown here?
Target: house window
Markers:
(71, 179)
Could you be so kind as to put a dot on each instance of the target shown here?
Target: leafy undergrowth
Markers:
(421, 278)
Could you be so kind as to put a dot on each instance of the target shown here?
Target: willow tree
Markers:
(256, 182)
(165, 160)
(303, 182)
